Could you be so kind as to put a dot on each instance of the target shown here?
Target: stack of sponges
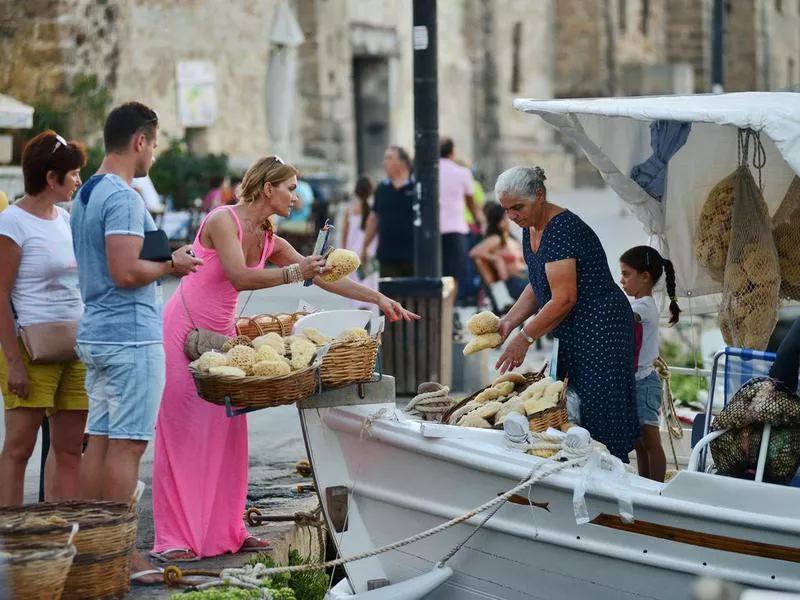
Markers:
(483, 328)
(541, 395)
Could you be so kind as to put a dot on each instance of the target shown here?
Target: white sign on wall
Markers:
(197, 94)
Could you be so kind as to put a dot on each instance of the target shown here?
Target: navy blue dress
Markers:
(596, 344)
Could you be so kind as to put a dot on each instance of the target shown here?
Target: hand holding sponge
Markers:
(483, 327)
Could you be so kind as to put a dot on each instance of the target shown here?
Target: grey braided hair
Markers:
(524, 182)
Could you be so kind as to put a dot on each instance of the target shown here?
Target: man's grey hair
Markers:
(523, 182)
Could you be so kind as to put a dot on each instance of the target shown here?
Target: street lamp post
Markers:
(427, 247)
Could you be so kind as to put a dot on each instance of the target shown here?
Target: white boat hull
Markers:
(400, 482)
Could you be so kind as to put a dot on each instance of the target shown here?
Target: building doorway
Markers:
(371, 94)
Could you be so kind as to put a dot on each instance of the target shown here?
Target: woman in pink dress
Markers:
(353, 235)
(200, 463)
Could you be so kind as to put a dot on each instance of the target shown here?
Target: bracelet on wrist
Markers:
(528, 338)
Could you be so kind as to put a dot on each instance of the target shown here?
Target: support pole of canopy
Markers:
(718, 47)
(427, 247)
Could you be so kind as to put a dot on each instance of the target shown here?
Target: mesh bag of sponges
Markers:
(749, 308)
(786, 233)
(761, 400)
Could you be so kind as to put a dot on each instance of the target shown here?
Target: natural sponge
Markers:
(341, 263)
(303, 352)
(271, 368)
(242, 357)
(226, 370)
(482, 342)
(483, 322)
(316, 336)
(210, 359)
(352, 335)
(267, 353)
(239, 340)
(273, 340)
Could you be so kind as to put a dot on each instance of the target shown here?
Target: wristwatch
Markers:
(528, 338)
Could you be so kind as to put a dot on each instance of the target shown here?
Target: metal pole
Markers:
(427, 246)
(718, 47)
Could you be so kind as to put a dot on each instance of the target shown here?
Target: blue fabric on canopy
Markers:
(666, 138)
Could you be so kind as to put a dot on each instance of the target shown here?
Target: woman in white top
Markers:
(642, 267)
(353, 235)
(39, 284)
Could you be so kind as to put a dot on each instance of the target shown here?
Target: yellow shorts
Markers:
(56, 386)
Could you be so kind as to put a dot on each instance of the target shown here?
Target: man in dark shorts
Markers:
(392, 217)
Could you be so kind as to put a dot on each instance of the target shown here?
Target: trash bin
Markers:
(418, 351)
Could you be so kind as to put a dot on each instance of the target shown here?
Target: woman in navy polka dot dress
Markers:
(574, 296)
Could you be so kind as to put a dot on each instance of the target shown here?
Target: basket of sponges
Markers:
(269, 370)
(348, 358)
(533, 395)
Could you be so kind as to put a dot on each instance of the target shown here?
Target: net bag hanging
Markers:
(749, 308)
(786, 233)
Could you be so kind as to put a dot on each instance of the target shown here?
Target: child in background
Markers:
(642, 267)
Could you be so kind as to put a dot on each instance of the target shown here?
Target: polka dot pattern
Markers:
(596, 344)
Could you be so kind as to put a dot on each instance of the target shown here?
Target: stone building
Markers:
(354, 86)
(354, 92)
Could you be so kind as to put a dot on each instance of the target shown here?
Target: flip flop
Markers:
(164, 556)
(136, 577)
(262, 546)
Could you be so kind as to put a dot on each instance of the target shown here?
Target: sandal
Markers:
(175, 555)
(136, 578)
(256, 545)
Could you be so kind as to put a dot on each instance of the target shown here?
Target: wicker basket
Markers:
(256, 392)
(552, 417)
(263, 324)
(349, 362)
(105, 541)
(530, 378)
(36, 571)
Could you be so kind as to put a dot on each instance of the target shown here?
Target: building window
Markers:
(622, 14)
(790, 72)
(645, 16)
(516, 42)
(779, 5)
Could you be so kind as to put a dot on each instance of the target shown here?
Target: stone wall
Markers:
(741, 58)
(31, 65)
(687, 39)
(778, 44)
(641, 36)
(581, 57)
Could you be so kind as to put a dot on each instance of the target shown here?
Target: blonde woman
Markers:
(200, 466)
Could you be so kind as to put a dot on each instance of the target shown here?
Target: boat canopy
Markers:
(678, 148)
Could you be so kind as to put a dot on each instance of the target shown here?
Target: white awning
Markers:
(14, 114)
(614, 133)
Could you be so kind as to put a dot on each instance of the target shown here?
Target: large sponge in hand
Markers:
(483, 322)
(341, 263)
(483, 342)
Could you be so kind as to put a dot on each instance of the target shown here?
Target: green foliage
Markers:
(47, 117)
(219, 593)
(309, 585)
(185, 176)
(684, 387)
(82, 115)
(94, 156)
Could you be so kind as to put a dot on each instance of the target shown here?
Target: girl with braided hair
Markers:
(642, 268)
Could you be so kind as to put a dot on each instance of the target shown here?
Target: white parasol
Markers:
(282, 76)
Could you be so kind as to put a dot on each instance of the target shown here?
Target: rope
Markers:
(245, 574)
(673, 423)
(366, 427)
(430, 406)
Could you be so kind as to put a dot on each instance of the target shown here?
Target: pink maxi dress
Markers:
(200, 463)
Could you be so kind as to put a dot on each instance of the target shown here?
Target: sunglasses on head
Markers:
(60, 141)
(276, 160)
